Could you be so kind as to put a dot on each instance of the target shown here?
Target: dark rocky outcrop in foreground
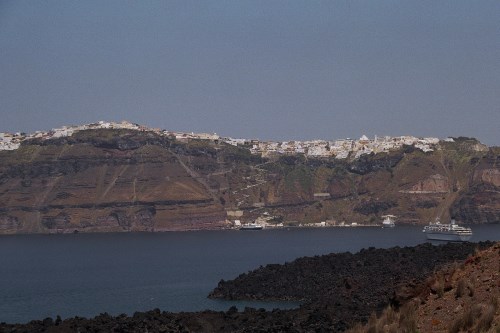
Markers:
(457, 298)
(349, 285)
(338, 290)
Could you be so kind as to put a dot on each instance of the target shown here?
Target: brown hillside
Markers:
(460, 298)
(126, 180)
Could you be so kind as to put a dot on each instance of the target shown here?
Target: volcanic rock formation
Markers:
(128, 180)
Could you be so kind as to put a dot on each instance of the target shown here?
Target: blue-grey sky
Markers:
(255, 69)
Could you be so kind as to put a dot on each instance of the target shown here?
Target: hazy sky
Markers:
(255, 69)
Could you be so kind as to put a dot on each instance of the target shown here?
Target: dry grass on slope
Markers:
(460, 298)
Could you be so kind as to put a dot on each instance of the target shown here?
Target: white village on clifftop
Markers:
(340, 149)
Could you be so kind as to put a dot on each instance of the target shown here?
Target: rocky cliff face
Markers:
(122, 180)
(481, 201)
(89, 183)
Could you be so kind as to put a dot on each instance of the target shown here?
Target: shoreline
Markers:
(353, 273)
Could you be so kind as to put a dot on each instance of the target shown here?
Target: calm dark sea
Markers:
(87, 274)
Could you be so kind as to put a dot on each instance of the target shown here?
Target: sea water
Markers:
(87, 274)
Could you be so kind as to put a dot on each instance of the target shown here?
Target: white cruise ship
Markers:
(447, 232)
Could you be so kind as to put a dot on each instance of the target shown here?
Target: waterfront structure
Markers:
(389, 221)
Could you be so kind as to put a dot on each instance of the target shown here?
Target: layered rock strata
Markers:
(129, 180)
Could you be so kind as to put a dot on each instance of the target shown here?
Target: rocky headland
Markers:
(115, 180)
(338, 291)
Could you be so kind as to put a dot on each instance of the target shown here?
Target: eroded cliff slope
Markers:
(128, 180)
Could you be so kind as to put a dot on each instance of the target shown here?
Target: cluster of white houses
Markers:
(317, 148)
(345, 147)
(9, 141)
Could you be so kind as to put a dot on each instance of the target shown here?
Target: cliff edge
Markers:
(104, 180)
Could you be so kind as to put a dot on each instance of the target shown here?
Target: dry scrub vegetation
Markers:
(459, 298)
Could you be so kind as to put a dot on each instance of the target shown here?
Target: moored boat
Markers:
(388, 221)
(447, 232)
(251, 226)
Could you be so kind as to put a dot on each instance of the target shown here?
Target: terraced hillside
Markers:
(126, 180)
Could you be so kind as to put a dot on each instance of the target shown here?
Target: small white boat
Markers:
(447, 232)
(388, 221)
(251, 226)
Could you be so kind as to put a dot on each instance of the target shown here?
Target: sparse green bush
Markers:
(372, 324)
(358, 328)
(494, 302)
(485, 320)
(438, 285)
(387, 321)
(461, 288)
(471, 288)
(408, 318)
(466, 321)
